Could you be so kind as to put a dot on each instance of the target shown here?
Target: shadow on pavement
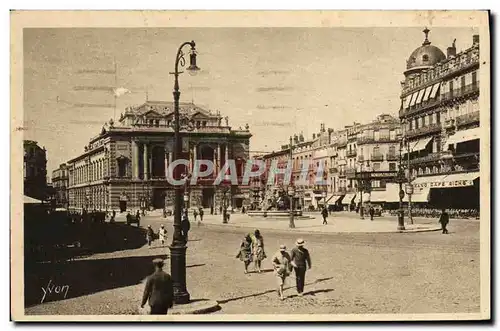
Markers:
(195, 265)
(57, 281)
(274, 290)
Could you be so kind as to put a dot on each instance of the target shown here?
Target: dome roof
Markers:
(425, 56)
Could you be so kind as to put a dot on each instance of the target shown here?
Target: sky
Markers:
(280, 81)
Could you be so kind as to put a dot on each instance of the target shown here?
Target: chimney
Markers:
(314, 135)
(451, 51)
(301, 137)
(295, 138)
(475, 39)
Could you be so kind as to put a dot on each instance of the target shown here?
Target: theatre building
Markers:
(440, 116)
(124, 167)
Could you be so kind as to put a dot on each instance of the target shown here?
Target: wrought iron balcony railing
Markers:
(391, 157)
(467, 118)
(435, 127)
(377, 157)
(351, 153)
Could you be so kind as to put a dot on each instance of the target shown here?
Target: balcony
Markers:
(377, 157)
(342, 143)
(392, 157)
(351, 153)
(361, 158)
(342, 173)
(431, 157)
(467, 119)
(460, 92)
(372, 140)
(432, 128)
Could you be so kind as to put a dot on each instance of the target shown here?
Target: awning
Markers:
(427, 93)
(348, 198)
(420, 144)
(30, 200)
(434, 91)
(406, 102)
(366, 197)
(463, 136)
(413, 99)
(335, 200)
(420, 194)
(420, 96)
(459, 180)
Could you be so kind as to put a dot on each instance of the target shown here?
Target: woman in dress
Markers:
(245, 252)
(258, 250)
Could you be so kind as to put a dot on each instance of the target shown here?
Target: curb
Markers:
(195, 308)
(325, 233)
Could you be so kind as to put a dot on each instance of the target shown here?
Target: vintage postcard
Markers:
(250, 166)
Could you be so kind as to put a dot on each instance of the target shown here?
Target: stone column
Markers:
(195, 149)
(216, 161)
(145, 162)
(227, 153)
(135, 159)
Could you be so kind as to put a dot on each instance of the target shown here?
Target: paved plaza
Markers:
(353, 272)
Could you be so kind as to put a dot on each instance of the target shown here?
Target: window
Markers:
(392, 150)
(376, 150)
(416, 123)
(375, 183)
(157, 123)
(376, 166)
(122, 167)
(377, 135)
(151, 122)
(392, 166)
(198, 123)
(411, 124)
(392, 135)
(424, 120)
(204, 123)
(450, 84)
(438, 117)
(425, 58)
(474, 79)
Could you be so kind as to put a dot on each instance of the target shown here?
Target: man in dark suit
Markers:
(159, 290)
(444, 219)
(301, 261)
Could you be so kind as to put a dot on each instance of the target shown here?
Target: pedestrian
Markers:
(195, 214)
(185, 225)
(245, 252)
(211, 210)
(282, 268)
(162, 234)
(258, 250)
(444, 219)
(201, 214)
(113, 215)
(159, 290)
(243, 209)
(301, 261)
(150, 236)
(324, 213)
(220, 210)
(372, 212)
(164, 212)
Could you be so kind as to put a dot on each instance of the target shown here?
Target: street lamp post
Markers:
(409, 187)
(291, 194)
(291, 190)
(361, 187)
(178, 246)
(401, 179)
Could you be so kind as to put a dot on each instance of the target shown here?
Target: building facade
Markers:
(35, 170)
(440, 117)
(125, 166)
(60, 183)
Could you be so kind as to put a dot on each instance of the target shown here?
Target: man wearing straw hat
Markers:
(301, 261)
(159, 290)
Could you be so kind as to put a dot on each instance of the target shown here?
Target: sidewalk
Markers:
(336, 224)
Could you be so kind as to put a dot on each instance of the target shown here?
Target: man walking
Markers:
(444, 219)
(150, 235)
(324, 213)
(301, 261)
(201, 214)
(372, 212)
(159, 290)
